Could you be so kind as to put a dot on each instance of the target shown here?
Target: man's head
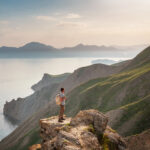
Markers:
(62, 90)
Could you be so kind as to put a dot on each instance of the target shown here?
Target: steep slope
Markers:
(139, 141)
(111, 92)
(132, 118)
(48, 80)
(127, 92)
(104, 94)
(46, 89)
(85, 74)
(22, 108)
(140, 60)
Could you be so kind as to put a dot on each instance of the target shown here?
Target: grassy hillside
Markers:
(140, 60)
(140, 110)
(128, 90)
(112, 92)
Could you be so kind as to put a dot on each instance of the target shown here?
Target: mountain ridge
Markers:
(78, 46)
(39, 50)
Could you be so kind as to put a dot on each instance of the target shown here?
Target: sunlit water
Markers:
(18, 75)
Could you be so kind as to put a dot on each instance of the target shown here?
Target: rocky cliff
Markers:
(139, 141)
(88, 130)
(22, 108)
(46, 89)
(48, 80)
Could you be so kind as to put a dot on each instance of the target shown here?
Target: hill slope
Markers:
(128, 90)
(126, 93)
(140, 60)
(46, 89)
(22, 108)
(139, 141)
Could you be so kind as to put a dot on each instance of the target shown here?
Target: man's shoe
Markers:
(60, 120)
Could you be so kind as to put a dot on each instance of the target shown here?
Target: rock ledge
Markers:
(88, 130)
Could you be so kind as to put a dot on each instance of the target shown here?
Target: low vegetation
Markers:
(128, 90)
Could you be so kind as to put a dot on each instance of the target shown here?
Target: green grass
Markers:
(102, 93)
(140, 60)
(140, 107)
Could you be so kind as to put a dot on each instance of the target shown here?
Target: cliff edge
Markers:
(88, 130)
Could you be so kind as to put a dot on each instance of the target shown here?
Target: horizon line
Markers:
(111, 45)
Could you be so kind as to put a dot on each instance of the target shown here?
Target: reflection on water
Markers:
(18, 75)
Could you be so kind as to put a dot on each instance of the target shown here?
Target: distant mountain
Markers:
(36, 49)
(104, 61)
(82, 47)
(33, 49)
(35, 46)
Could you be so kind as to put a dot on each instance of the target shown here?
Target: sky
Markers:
(63, 23)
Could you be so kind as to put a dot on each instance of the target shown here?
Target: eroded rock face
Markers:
(91, 117)
(88, 130)
(139, 141)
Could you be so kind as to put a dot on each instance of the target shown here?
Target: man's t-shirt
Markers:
(62, 95)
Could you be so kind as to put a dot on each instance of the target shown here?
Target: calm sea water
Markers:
(18, 75)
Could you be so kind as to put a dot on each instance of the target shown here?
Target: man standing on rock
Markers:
(62, 104)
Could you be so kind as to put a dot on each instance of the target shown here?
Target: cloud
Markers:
(66, 24)
(46, 18)
(4, 22)
(58, 17)
(72, 16)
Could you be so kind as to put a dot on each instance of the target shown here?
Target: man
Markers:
(62, 105)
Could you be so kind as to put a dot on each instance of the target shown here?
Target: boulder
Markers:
(80, 133)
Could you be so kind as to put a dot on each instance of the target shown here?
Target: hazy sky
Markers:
(69, 22)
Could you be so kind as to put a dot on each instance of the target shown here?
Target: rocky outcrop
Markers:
(11, 108)
(49, 80)
(139, 141)
(88, 130)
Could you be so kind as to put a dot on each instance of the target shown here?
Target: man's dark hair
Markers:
(62, 89)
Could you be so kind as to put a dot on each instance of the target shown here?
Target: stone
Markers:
(80, 133)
